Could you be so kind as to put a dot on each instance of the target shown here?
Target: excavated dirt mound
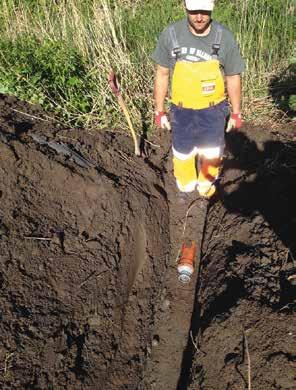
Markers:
(89, 235)
(83, 253)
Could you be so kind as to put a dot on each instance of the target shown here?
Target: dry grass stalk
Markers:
(95, 28)
(249, 361)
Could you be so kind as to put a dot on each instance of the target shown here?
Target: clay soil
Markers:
(89, 295)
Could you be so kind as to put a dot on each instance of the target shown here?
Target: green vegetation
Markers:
(59, 53)
(49, 74)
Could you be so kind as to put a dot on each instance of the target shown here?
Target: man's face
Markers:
(199, 20)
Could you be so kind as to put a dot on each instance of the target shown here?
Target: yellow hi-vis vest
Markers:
(197, 85)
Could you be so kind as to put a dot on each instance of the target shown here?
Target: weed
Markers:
(59, 54)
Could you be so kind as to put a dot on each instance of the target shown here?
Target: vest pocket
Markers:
(208, 87)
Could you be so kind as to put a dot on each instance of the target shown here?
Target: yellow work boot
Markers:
(208, 174)
(206, 189)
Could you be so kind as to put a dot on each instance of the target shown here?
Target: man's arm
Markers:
(233, 85)
(234, 90)
(161, 85)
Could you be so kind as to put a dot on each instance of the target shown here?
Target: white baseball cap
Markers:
(193, 5)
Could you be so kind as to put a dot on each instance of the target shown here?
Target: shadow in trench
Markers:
(266, 185)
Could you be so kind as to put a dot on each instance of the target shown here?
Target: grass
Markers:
(59, 54)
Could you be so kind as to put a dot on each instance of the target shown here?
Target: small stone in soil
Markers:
(155, 341)
(165, 305)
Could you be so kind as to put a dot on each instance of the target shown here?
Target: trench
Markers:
(88, 284)
(176, 326)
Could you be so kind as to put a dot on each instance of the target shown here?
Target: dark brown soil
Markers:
(78, 305)
(246, 296)
(89, 296)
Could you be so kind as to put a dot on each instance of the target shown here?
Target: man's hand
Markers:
(161, 120)
(235, 122)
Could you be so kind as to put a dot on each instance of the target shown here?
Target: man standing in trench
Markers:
(201, 56)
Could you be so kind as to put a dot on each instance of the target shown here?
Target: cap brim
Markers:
(199, 9)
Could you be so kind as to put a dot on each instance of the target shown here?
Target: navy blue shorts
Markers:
(198, 128)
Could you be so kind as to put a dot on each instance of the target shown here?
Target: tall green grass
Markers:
(59, 53)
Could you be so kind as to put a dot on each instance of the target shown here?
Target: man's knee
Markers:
(210, 153)
(185, 171)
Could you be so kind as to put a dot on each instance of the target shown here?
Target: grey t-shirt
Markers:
(199, 48)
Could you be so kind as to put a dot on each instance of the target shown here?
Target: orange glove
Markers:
(235, 122)
(161, 120)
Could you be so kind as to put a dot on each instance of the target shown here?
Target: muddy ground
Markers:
(89, 297)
